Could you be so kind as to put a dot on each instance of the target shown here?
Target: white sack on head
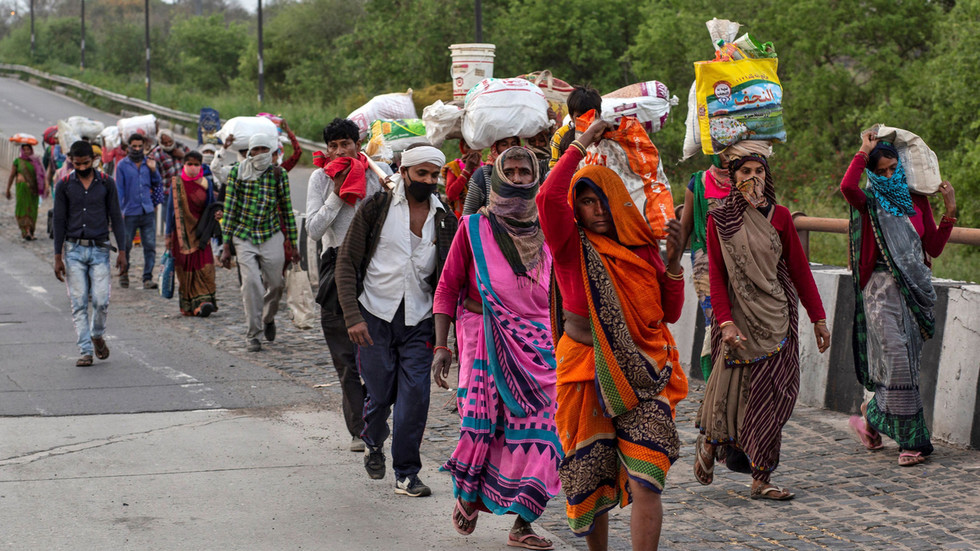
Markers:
(386, 106)
(920, 163)
(443, 121)
(500, 108)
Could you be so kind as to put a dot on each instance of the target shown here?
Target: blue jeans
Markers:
(88, 277)
(396, 371)
(146, 224)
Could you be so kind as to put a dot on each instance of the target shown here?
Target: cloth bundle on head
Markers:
(423, 154)
(173, 142)
(254, 165)
(892, 193)
(746, 148)
(513, 214)
(354, 186)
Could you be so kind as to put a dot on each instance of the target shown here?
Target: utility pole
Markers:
(83, 34)
(198, 9)
(261, 68)
(32, 30)
(479, 20)
(146, 12)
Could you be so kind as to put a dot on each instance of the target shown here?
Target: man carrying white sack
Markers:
(394, 250)
(258, 219)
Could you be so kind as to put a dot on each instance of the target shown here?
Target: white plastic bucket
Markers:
(471, 64)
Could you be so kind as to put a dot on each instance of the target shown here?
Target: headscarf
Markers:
(745, 148)
(38, 167)
(513, 214)
(254, 165)
(728, 217)
(892, 193)
(173, 142)
(422, 154)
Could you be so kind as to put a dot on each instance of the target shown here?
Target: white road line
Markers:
(185, 381)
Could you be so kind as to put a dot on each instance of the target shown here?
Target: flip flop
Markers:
(523, 543)
(101, 350)
(872, 441)
(461, 518)
(707, 474)
(915, 459)
(766, 492)
(84, 361)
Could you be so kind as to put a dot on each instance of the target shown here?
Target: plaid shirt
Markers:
(166, 164)
(252, 208)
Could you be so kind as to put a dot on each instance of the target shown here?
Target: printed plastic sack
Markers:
(386, 106)
(110, 137)
(738, 100)
(649, 102)
(555, 90)
(166, 283)
(920, 163)
(500, 108)
(629, 152)
(208, 124)
(443, 121)
(390, 137)
(144, 125)
(299, 297)
(243, 128)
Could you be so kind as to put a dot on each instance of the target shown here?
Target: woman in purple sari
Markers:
(495, 285)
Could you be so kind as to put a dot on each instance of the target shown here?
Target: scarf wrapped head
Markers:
(631, 229)
(728, 218)
(254, 165)
(746, 148)
(513, 214)
(892, 193)
(169, 134)
(423, 154)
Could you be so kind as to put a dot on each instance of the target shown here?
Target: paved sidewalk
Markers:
(847, 497)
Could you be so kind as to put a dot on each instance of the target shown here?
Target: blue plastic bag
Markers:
(167, 276)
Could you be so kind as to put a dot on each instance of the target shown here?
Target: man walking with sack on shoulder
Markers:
(258, 220)
(387, 271)
(335, 191)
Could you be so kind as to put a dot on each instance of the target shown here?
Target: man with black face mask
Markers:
(85, 203)
(139, 185)
(390, 321)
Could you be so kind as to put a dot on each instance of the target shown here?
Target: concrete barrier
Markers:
(949, 376)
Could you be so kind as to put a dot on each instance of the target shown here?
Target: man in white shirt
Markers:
(395, 248)
(335, 192)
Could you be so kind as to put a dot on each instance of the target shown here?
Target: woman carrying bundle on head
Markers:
(757, 269)
(892, 237)
(28, 172)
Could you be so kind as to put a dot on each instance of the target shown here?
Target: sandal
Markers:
(910, 459)
(101, 350)
(868, 436)
(704, 473)
(84, 361)
(767, 492)
(529, 541)
(464, 522)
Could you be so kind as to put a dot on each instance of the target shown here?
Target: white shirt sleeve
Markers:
(322, 204)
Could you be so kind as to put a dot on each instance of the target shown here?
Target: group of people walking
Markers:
(551, 290)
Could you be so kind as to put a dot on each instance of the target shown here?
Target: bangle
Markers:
(949, 218)
(446, 348)
(820, 322)
(863, 154)
(675, 277)
(578, 145)
(725, 324)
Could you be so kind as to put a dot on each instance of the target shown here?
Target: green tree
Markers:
(207, 51)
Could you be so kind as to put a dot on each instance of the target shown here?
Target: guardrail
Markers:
(806, 224)
(142, 105)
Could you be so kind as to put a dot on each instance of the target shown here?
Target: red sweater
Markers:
(561, 235)
(796, 262)
(933, 239)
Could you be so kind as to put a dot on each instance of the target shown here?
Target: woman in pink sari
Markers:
(506, 461)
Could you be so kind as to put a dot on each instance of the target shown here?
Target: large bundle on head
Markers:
(921, 165)
(75, 128)
(386, 106)
(500, 108)
(649, 102)
(144, 125)
(443, 121)
(736, 96)
(555, 90)
(243, 128)
(110, 137)
(394, 136)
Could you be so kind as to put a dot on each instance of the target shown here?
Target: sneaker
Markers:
(270, 331)
(411, 486)
(124, 281)
(150, 284)
(356, 444)
(254, 345)
(374, 462)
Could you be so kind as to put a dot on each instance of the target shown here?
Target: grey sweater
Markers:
(327, 215)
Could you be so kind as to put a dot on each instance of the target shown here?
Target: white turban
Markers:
(263, 140)
(423, 154)
(254, 165)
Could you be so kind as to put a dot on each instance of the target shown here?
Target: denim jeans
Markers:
(88, 278)
(146, 224)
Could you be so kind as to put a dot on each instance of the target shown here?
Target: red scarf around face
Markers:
(354, 186)
(320, 159)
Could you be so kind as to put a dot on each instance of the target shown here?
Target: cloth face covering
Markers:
(135, 155)
(419, 191)
(190, 173)
(354, 186)
(752, 191)
(892, 193)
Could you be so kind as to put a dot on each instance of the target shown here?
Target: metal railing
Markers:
(806, 224)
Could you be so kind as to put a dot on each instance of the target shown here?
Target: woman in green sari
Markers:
(28, 173)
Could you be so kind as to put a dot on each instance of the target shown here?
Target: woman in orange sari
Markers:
(619, 375)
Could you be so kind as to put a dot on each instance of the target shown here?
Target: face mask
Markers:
(135, 155)
(419, 191)
(752, 191)
(168, 148)
(192, 171)
(208, 157)
(84, 172)
(261, 161)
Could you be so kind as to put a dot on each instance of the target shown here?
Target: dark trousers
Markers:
(395, 370)
(344, 356)
(146, 223)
